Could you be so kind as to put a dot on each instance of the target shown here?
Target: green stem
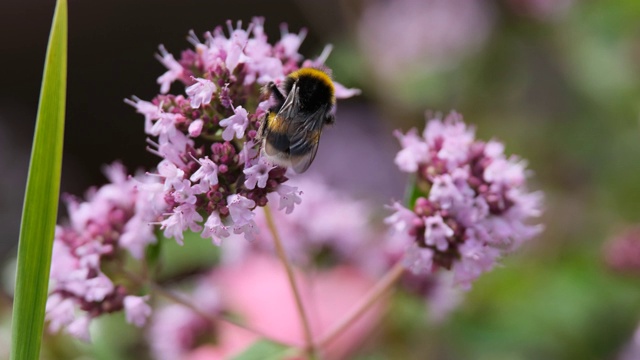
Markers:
(310, 349)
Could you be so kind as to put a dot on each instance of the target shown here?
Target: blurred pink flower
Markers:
(175, 330)
(413, 35)
(136, 309)
(631, 350)
(622, 252)
(440, 296)
(174, 69)
(258, 291)
(114, 218)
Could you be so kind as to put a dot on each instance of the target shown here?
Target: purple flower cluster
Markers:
(207, 140)
(475, 204)
(114, 218)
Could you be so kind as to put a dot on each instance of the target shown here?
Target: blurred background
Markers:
(557, 80)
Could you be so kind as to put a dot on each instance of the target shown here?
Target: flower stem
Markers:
(375, 294)
(292, 282)
(159, 290)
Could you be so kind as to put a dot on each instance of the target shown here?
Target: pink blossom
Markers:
(201, 92)
(289, 44)
(236, 45)
(195, 129)
(98, 288)
(258, 48)
(182, 218)
(419, 260)
(506, 172)
(60, 312)
(414, 151)
(257, 174)
(320, 60)
(402, 219)
(215, 229)
(235, 124)
(137, 234)
(165, 125)
(342, 92)
(171, 173)
(184, 192)
(79, 328)
(248, 153)
(150, 111)
(240, 209)
(249, 229)
(437, 232)
(173, 73)
(136, 309)
(451, 139)
(289, 197)
(207, 174)
(65, 260)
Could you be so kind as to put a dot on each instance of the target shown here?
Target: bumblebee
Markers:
(290, 131)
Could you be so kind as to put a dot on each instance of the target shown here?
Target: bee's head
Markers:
(315, 88)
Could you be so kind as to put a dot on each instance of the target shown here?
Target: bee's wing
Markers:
(301, 130)
(300, 164)
(290, 107)
(304, 138)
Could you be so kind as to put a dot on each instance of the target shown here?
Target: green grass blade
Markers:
(41, 198)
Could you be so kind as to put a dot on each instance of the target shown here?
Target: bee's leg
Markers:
(262, 128)
(272, 89)
(330, 117)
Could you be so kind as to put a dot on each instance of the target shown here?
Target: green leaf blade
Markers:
(41, 198)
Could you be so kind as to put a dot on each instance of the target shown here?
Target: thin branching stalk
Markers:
(292, 282)
(168, 294)
(375, 294)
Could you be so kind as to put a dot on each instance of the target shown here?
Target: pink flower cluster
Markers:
(475, 204)
(207, 140)
(113, 219)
